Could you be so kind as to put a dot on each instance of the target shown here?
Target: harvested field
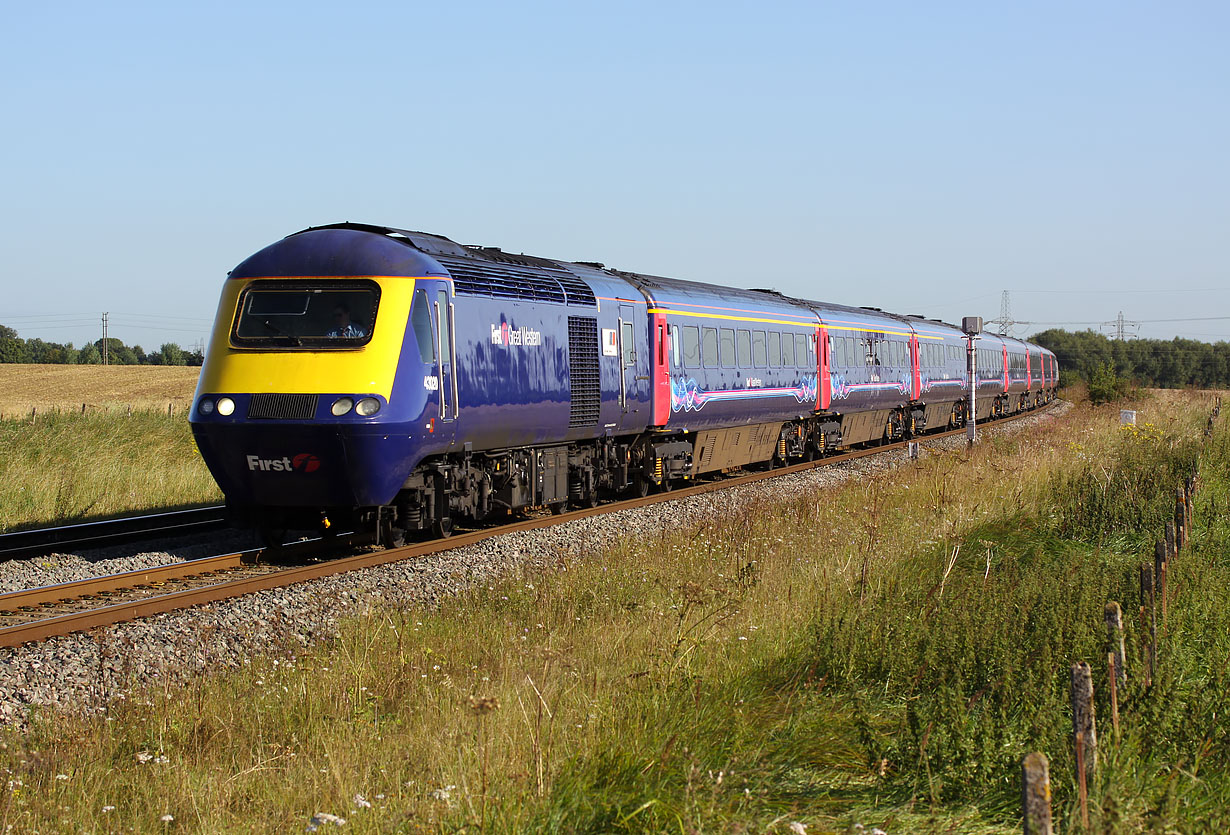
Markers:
(47, 388)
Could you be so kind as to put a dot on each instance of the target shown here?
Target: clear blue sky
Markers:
(919, 157)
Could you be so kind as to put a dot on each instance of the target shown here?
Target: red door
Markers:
(824, 383)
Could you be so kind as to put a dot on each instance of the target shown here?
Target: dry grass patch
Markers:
(100, 387)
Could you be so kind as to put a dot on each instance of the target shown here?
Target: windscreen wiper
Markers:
(294, 340)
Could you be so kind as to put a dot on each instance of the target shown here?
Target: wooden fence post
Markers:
(1159, 577)
(1113, 678)
(1114, 639)
(1036, 794)
(1146, 616)
(1171, 538)
(1084, 723)
(1181, 532)
(1084, 732)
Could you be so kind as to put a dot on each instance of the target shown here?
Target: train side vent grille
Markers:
(474, 277)
(583, 371)
(282, 406)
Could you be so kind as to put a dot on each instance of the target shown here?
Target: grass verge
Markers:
(880, 654)
(70, 467)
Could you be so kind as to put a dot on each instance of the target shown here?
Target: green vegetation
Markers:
(15, 349)
(71, 466)
(1154, 363)
(883, 653)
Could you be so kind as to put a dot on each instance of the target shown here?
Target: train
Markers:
(363, 377)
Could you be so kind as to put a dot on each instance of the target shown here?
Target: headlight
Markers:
(368, 406)
(205, 407)
(341, 406)
(226, 406)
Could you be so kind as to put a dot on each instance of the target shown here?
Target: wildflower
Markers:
(107, 809)
(444, 794)
(798, 828)
(321, 818)
(144, 757)
(362, 802)
(61, 776)
(167, 818)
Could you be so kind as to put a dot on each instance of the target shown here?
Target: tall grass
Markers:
(69, 467)
(880, 654)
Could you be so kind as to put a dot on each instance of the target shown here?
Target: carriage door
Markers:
(446, 350)
(630, 383)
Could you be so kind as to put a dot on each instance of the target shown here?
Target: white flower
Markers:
(321, 818)
(361, 801)
(61, 776)
(167, 818)
(108, 809)
(798, 828)
(144, 756)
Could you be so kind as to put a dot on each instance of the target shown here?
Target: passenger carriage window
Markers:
(709, 347)
(728, 347)
(758, 349)
(420, 320)
(787, 350)
(800, 351)
(775, 349)
(629, 342)
(691, 346)
(675, 345)
(745, 348)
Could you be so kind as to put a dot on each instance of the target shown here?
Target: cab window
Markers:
(318, 314)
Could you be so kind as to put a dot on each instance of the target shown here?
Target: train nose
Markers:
(288, 466)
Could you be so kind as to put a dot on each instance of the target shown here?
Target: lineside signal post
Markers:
(972, 325)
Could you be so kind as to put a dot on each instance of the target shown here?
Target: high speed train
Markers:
(371, 376)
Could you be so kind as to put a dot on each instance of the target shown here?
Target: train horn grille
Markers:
(282, 406)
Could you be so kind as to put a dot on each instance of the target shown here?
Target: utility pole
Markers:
(104, 339)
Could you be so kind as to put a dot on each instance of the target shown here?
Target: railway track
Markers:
(33, 615)
(41, 541)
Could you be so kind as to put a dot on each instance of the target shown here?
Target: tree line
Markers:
(1155, 363)
(15, 349)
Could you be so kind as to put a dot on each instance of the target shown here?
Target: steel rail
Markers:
(48, 595)
(39, 541)
(16, 635)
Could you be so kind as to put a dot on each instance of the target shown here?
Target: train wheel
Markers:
(557, 508)
(391, 536)
(442, 528)
(641, 485)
